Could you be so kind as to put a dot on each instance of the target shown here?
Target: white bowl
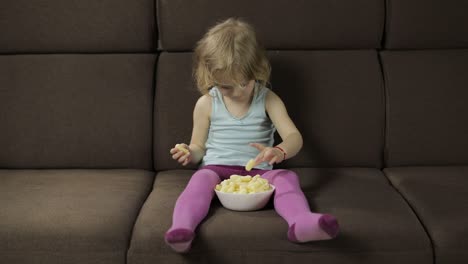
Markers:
(245, 202)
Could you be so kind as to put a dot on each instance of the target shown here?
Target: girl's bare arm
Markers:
(290, 135)
(201, 125)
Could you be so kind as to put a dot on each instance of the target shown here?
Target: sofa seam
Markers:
(71, 52)
(386, 97)
(153, 90)
(421, 222)
(138, 214)
(157, 15)
(388, 16)
(153, 103)
(383, 35)
(383, 99)
(62, 251)
(153, 136)
(307, 252)
(155, 27)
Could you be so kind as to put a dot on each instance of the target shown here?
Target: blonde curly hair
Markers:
(229, 51)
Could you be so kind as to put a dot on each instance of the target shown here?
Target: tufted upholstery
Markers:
(94, 93)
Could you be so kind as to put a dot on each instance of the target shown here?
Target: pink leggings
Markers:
(193, 204)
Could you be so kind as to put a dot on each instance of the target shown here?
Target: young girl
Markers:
(234, 121)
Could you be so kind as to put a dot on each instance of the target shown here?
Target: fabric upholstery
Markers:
(86, 26)
(69, 216)
(280, 24)
(438, 195)
(76, 111)
(420, 24)
(426, 104)
(93, 94)
(377, 226)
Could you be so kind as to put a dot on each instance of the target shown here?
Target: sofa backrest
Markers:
(55, 26)
(108, 84)
(422, 24)
(325, 68)
(425, 64)
(76, 84)
(300, 25)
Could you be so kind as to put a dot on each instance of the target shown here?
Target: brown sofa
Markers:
(94, 93)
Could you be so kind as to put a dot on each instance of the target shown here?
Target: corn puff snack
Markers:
(244, 184)
(180, 147)
(249, 165)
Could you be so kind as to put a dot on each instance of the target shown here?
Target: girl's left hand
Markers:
(267, 154)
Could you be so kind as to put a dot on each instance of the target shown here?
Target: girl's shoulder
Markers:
(270, 95)
(203, 105)
(272, 100)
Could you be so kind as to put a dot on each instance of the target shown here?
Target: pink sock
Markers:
(180, 240)
(190, 209)
(292, 205)
(312, 227)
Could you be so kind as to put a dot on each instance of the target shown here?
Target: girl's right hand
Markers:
(181, 152)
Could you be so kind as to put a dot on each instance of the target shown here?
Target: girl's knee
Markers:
(281, 175)
(205, 176)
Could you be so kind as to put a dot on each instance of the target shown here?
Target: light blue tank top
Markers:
(229, 137)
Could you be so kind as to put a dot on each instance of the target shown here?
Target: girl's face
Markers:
(236, 91)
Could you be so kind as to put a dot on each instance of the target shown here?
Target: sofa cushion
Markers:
(421, 24)
(77, 26)
(340, 24)
(76, 111)
(377, 226)
(69, 216)
(427, 112)
(438, 195)
(335, 98)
